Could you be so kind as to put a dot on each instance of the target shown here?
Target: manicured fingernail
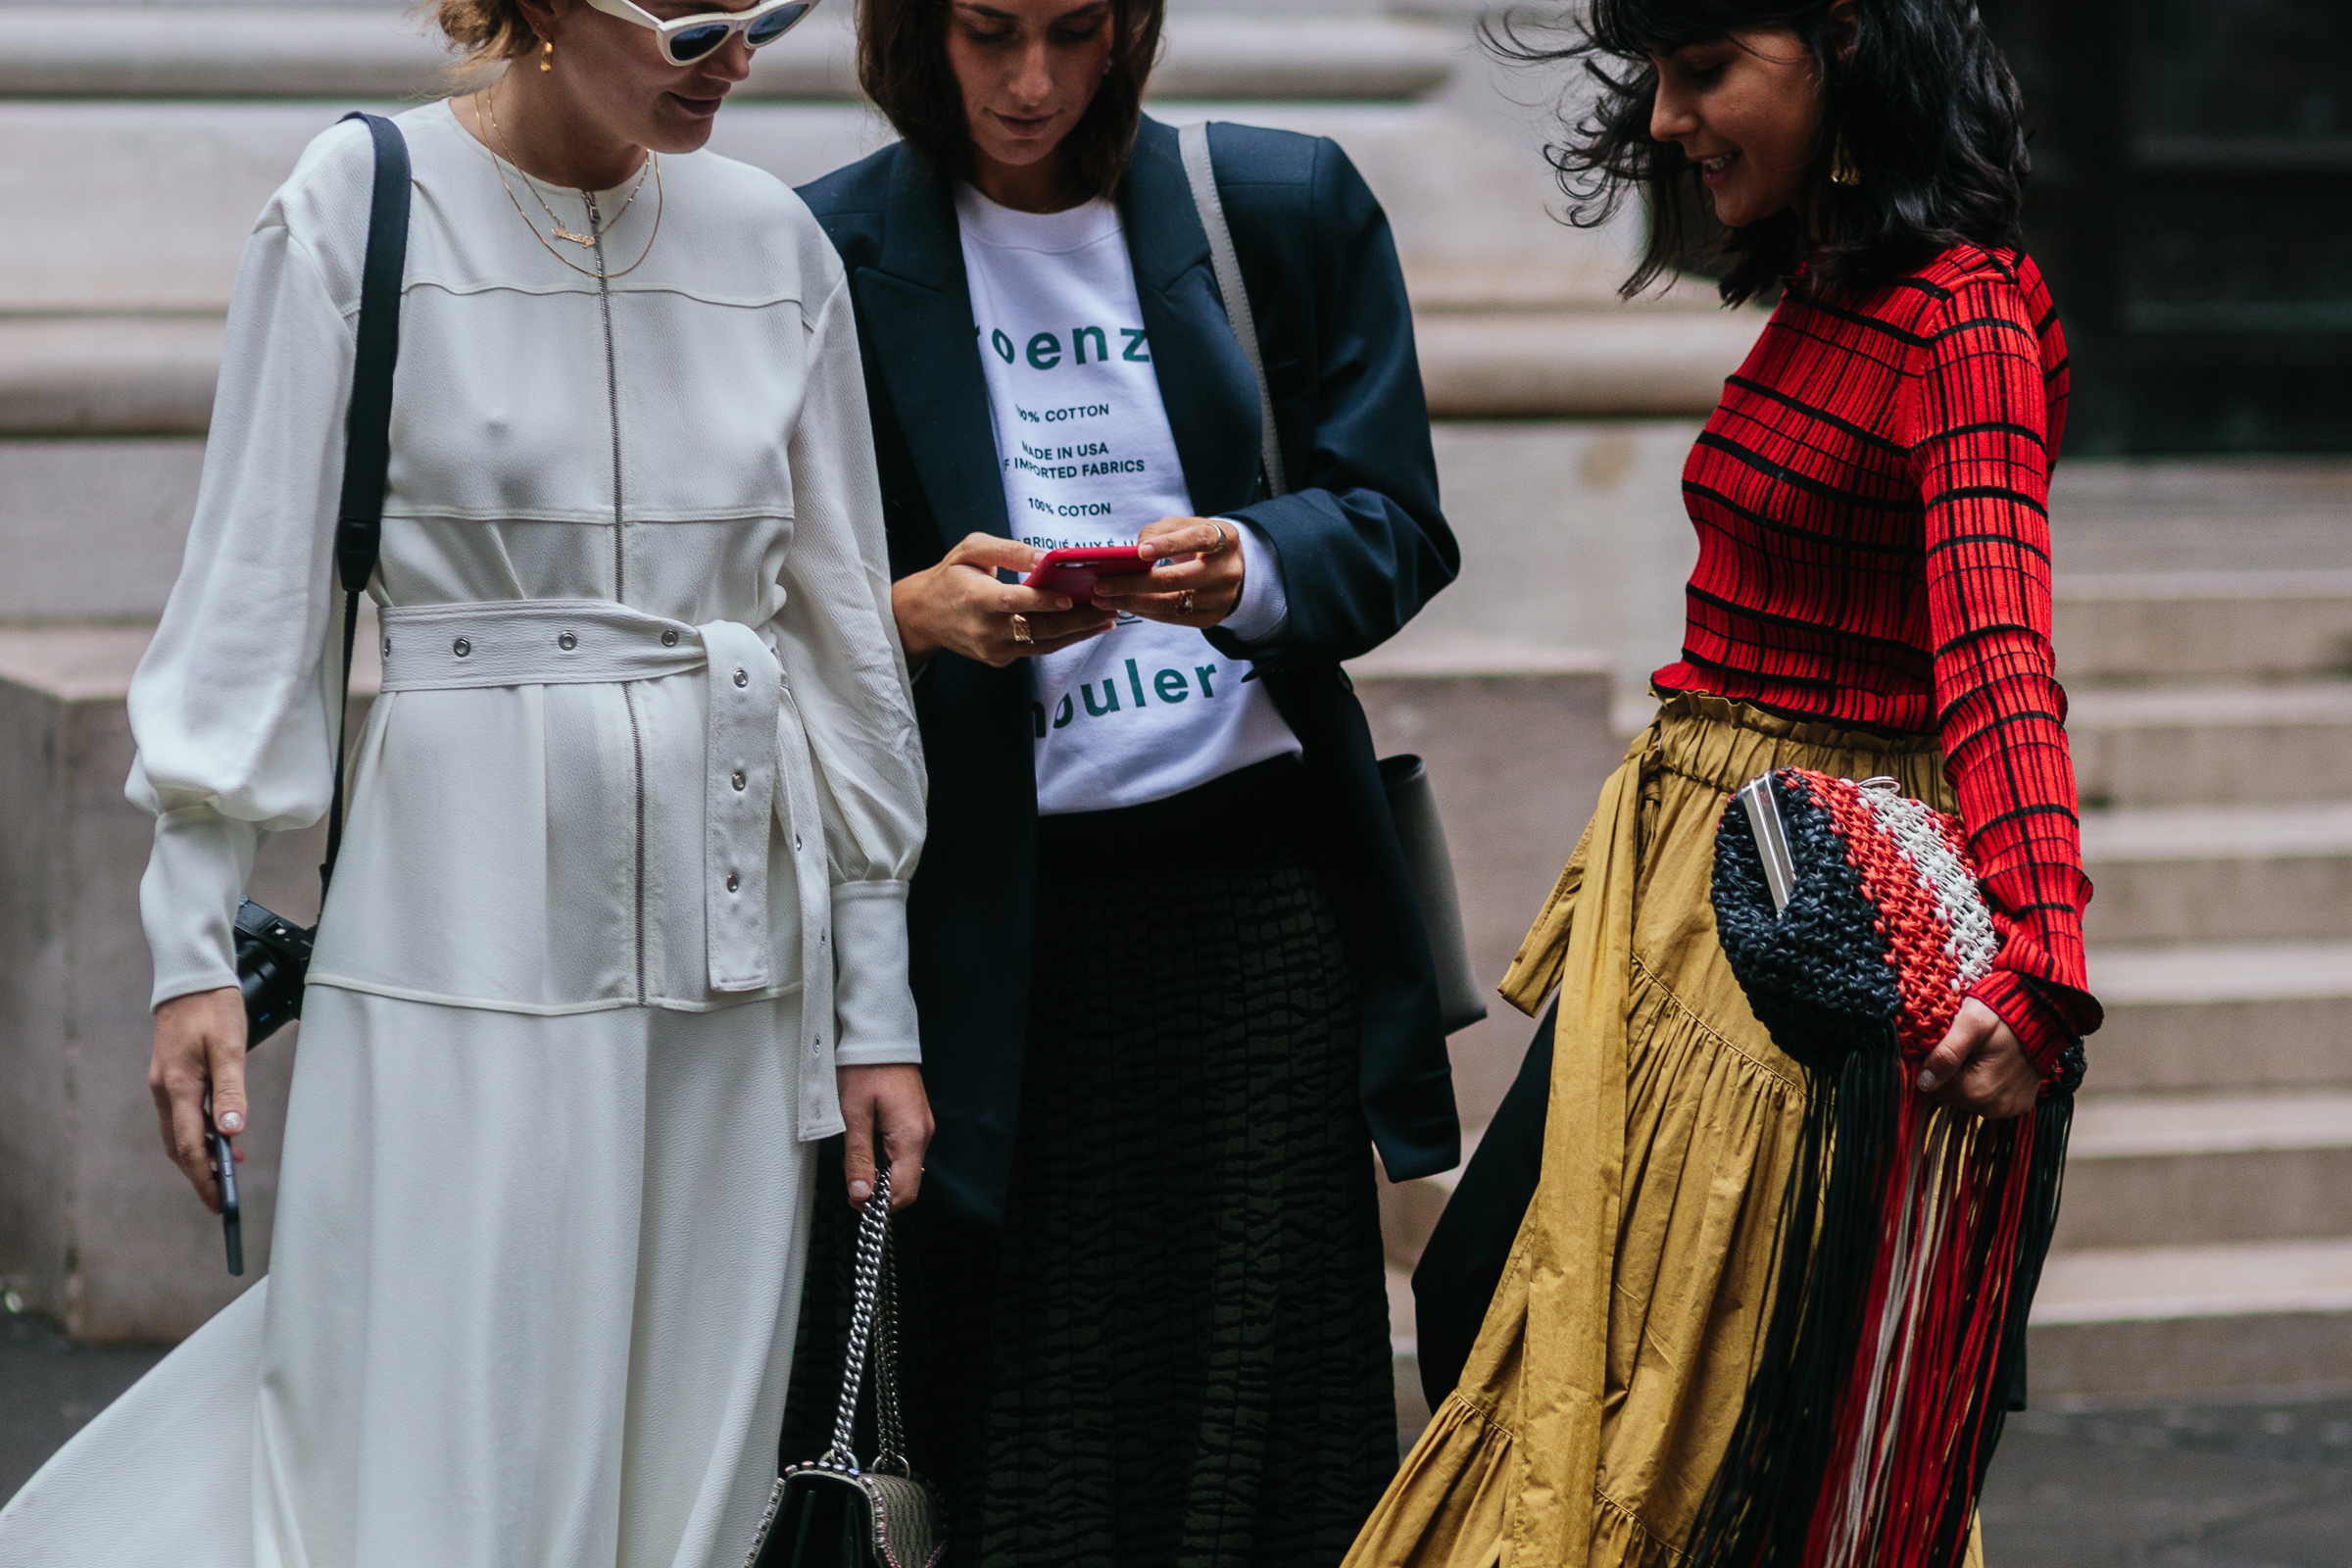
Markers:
(1060, 603)
(1926, 1079)
(862, 1190)
(232, 1122)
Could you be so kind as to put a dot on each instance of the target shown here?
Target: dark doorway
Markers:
(2192, 206)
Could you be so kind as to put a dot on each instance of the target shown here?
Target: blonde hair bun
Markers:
(487, 29)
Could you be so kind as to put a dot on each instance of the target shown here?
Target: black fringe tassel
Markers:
(1760, 1505)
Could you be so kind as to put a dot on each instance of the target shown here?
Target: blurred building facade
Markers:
(2192, 206)
(2193, 167)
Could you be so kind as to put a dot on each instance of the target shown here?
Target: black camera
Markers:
(274, 959)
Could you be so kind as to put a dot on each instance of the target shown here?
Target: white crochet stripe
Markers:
(1972, 944)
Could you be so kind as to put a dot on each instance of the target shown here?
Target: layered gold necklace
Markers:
(597, 226)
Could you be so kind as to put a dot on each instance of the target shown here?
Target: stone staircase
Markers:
(2205, 634)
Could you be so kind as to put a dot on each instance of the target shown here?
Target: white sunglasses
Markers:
(687, 39)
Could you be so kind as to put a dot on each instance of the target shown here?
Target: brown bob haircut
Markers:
(903, 66)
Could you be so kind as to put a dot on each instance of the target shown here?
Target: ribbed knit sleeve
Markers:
(1982, 425)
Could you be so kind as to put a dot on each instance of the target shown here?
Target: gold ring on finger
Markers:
(1021, 631)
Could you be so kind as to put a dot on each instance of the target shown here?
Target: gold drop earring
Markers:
(1842, 167)
(547, 54)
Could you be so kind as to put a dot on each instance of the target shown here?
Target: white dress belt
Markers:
(551, 642)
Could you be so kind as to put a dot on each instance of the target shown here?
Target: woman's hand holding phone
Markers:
(1195, 578)
(199, 1049)
(961, 607)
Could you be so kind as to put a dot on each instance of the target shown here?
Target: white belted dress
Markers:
(624, 882)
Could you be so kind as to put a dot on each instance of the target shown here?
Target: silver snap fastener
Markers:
(387, 647)
(733, 882)
(796, 841)
(743, 677)
(568, 642)
(738, 778)
(460, 648)
(669, 639)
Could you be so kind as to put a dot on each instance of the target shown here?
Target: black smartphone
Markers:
(224, 1172)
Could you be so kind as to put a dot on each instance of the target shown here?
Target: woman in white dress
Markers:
(582, 997)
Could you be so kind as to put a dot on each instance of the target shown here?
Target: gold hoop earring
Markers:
(1842, 167)
(547, 54)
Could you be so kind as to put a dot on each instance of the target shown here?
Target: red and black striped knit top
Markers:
(1871, 500)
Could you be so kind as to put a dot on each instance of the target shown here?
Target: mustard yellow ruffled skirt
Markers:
(1611, 1367)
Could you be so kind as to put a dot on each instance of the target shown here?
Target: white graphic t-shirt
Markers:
(1146, 711)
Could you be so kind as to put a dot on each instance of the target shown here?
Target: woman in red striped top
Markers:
(1872, 597)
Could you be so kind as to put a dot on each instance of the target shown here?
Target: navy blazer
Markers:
(1361, 545)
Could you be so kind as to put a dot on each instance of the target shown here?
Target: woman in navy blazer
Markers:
(1148, 1319)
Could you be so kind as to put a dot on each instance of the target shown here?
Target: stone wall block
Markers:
(97, 1228)
(1516, 761)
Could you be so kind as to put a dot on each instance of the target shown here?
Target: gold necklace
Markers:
(598, 229)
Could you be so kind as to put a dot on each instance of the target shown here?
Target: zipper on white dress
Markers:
(604, 300)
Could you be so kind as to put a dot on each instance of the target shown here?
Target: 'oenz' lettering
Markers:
(1044, 350)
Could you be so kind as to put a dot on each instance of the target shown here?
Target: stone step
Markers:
(2218, 515)
(2164, 1320)
(153, 374)
(2218, 744)
(2186, 1168)
(2200, 873)
(103, 51)
(2223, 1016)
(1606, 361)
(2202, 625)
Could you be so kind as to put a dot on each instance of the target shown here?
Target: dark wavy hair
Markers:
(903, 66)
(1923, 100)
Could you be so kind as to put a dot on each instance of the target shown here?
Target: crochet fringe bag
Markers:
(1912, 1236)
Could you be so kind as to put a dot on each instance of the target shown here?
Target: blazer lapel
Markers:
(1203, 376)
(918, 310)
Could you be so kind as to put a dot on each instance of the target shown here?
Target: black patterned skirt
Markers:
(1175, 1350)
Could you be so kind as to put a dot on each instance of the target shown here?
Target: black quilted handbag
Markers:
(833, 1512)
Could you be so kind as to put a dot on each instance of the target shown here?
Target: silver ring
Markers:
(1021, 631)
(1223, 538)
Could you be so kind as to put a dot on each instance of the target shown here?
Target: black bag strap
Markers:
(368, 427)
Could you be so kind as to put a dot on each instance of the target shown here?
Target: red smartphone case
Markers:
(1074, 572)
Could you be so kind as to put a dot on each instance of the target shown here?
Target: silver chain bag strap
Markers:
(832, 1512)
